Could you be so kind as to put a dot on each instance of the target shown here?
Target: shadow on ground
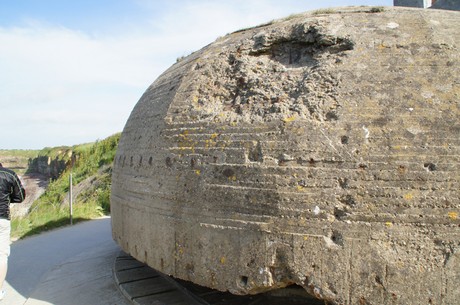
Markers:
(52, 225)
(71, 266)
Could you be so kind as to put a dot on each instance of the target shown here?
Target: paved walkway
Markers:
(81, 264)
(68, 266)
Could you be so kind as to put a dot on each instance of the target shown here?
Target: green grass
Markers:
(25, 153)
(377, 9)
(293, 16)
(48, 212)
(324, 11)
(49, 217)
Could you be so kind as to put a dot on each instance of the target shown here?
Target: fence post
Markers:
(70, 198)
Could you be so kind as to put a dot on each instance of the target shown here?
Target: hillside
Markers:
(45, 175)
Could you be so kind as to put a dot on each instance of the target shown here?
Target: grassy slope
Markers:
(92, 166)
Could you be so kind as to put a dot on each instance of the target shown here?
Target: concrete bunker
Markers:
(320, 150)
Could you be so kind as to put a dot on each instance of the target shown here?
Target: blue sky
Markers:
(71, 71)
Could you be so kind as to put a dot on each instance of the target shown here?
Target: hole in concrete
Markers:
(302, 47)
(150, 160)
(343, 182)
(348, 200)
(255, 155)
(289, 54)
(337, 238)
(402, 169)
(331, 116)
(430, 166)
(344, 139)
(244, 280)
(192, 162)
(339, 213)
(228, 172)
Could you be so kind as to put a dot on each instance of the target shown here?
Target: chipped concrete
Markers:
(321, 150)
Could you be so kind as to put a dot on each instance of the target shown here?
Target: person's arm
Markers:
(19, 193)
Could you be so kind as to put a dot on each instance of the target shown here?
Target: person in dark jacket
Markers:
(11, 190)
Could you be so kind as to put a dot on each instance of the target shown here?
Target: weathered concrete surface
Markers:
(321, 150)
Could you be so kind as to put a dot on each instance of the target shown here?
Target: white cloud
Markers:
(62, 86)
(53, 70)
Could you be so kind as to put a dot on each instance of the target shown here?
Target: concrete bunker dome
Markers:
(320, 150)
